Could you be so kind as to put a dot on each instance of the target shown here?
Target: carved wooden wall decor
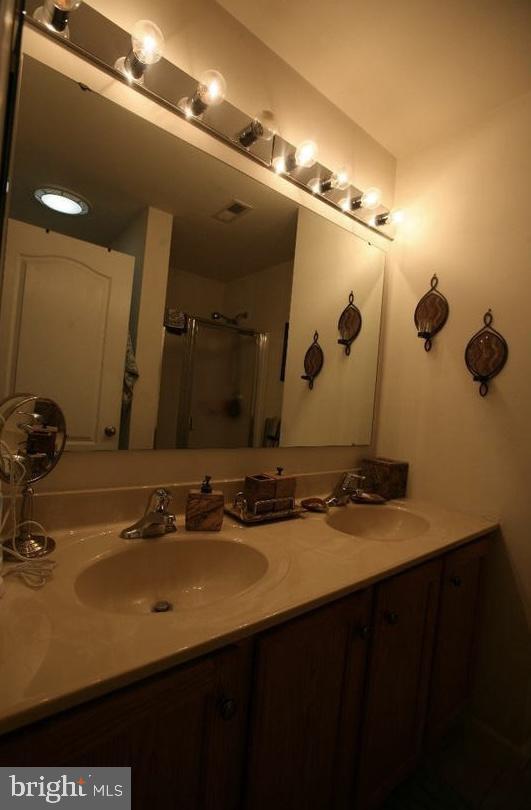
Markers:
(313, 361)
(431, 313)
(349, 324)
(486, 354)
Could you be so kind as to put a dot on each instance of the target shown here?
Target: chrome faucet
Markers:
(351, 484)
(156, 520)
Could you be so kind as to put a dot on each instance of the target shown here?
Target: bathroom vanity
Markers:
(317, 685)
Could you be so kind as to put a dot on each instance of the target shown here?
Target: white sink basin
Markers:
(378, 522)
(184, 573)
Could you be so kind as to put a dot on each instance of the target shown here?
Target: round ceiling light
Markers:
(62, 201)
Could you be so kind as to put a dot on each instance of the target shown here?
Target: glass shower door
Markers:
(222, 386)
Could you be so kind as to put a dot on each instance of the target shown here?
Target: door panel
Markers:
(456, 634)
(64, 322)
(298, 691)
(398, 679)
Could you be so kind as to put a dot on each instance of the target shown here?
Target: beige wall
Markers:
(468, 202)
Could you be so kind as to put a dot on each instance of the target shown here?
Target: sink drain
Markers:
(162, 607)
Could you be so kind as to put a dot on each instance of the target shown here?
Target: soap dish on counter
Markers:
(263, 511)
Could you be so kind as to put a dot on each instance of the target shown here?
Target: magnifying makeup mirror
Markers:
(32, 440)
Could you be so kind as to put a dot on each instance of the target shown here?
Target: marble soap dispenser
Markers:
(204, 508)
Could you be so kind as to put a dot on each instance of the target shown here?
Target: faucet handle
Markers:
(161, 499)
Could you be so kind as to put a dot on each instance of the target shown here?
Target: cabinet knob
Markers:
(227, 708)
(110, 430)
(391, 617)
(364, 632)
(457, 581)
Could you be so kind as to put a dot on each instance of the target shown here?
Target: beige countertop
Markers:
(56, 651)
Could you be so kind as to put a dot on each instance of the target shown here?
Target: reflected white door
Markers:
(63, 328)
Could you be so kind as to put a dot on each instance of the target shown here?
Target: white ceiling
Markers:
(409, 72)
(121, 164)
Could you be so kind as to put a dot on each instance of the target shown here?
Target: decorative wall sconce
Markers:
(338, 180)
(147, 45)
(54, 14)
(305, 156)
(313, 361)
(369, 199)
(262, 128)
(431, 313)
(486, 354)
(210, 92)
(349, 324)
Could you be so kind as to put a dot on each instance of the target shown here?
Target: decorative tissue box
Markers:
(385, 476)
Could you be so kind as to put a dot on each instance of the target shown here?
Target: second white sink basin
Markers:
(378, 522)
(174, 575)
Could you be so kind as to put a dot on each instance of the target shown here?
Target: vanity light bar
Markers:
(147, 43)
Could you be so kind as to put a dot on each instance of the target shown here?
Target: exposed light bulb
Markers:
(54, 14)
(211, 90)
(371, 198)
(394, 217)
(147, 46)
(397, 216)
(264, 127)
(337, 180)
(306, 154)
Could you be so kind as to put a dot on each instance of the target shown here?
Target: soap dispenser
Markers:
(204, 508)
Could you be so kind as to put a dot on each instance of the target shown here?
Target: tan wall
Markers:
(468, 202)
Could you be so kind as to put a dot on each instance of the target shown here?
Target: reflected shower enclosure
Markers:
(212, 384)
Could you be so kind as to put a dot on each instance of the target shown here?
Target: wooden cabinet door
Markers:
(182, 733)
(398, 679)
(456, 634)
(303, 670)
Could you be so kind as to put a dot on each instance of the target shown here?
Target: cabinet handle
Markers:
(364, 632)
(110, 431)
(391, 617)
(457, 581)
(227, 708)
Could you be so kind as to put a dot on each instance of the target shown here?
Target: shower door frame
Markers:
(185, 396)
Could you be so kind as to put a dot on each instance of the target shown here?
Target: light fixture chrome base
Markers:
(120, 65)
(41, 16)
(31, 546)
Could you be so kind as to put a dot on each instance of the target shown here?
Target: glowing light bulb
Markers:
(148, 42)
(371, 198)
(54, 14)
(210, 92)
(397, 216)
(264, 127)
(306, 154)
(337, 180)
(147, 46)
(394, 217)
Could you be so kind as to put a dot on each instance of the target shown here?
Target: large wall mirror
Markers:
(171, 299)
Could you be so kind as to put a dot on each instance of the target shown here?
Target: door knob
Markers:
(364, 632)
(391, 617)
(227, 708)
(457, 581)
(110, 431)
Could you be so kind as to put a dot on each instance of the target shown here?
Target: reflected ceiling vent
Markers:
(235, 210)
